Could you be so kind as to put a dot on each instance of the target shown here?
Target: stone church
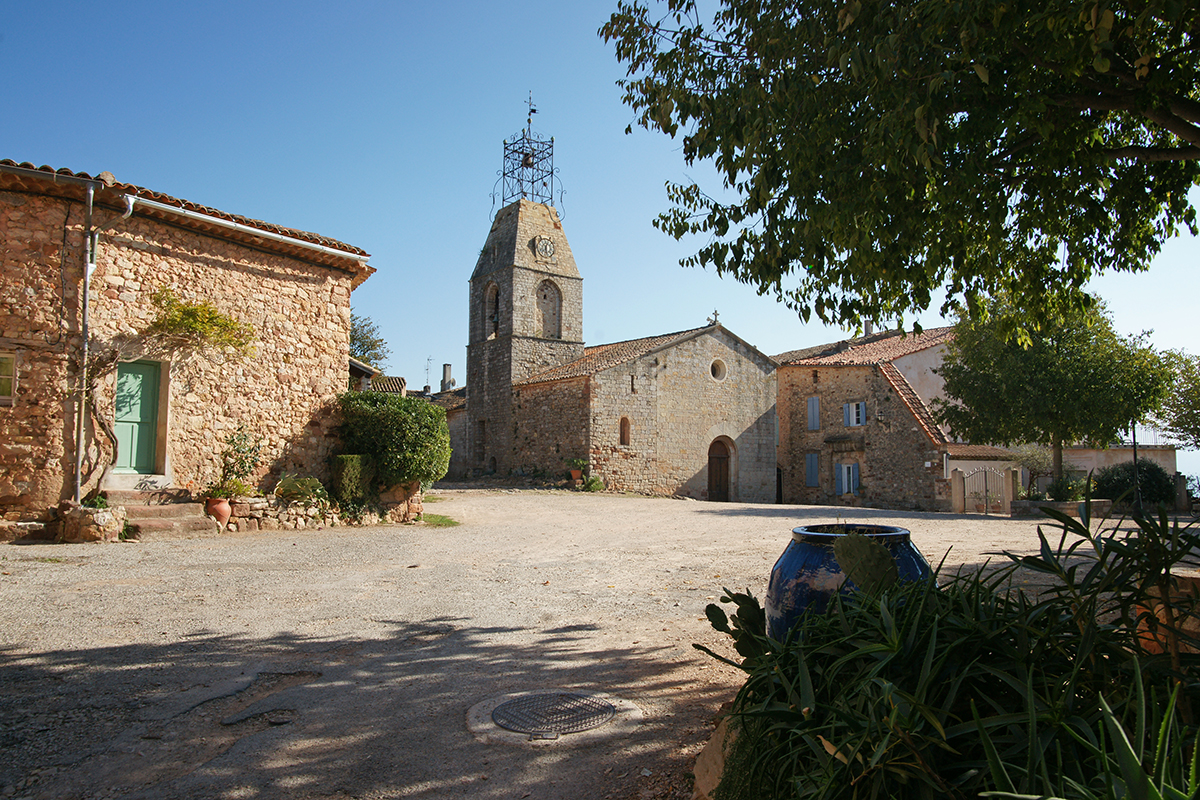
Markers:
(690, 413)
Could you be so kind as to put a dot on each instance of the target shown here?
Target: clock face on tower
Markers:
(544, 247)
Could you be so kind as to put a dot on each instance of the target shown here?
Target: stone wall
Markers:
(549, 426)
(300, 313)
(899, 465)
(676, 410)
(39, 301)
(514, 348)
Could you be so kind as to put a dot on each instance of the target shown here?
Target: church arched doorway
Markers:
(718, 472)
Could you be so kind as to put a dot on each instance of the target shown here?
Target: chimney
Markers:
(868, 328)
(447, 381)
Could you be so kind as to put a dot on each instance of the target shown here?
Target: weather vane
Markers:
(528, 172)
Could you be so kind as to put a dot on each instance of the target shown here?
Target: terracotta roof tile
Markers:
(111, 191)
(451, 400)
(979, 452)
(604, 356)
(915, 404)
(878, 348)
(388, 383)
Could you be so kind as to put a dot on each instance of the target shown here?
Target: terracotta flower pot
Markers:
(218, 508)
(576, 474)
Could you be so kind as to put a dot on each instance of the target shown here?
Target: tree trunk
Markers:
(1058, 464)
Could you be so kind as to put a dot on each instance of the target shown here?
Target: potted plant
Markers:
(240, 457)
(577, 466)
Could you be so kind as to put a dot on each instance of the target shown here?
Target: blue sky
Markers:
(381, 124)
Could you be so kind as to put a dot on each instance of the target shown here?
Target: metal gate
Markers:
(984, 490)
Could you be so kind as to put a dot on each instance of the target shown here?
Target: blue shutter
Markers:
(837, 479)
(814, 413)
(812, 476)
(864, 411)
(854, 477)
(846, 414)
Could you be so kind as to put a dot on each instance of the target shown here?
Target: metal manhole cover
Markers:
(552, 713)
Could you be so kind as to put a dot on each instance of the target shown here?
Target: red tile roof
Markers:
(388, 383)
(979, 452)
(110, 192)
(878, 348)
(603, 356)
(915, 404)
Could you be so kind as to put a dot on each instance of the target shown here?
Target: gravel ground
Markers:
(341, 663)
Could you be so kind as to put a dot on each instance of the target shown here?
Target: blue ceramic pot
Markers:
(807, 575)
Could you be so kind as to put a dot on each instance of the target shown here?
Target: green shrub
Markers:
(1115, 482)
(95, 501)
(352, 479)
(308, 491)
(1065, 488)
(406, 438)
(593, 483)
(924, 691)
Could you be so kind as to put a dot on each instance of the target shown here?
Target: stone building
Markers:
(688, 413)
(170, 418)
(855, 426)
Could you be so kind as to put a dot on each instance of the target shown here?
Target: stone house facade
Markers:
(688, 413)
(170, 418)
(855, 430)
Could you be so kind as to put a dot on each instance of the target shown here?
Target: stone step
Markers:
(170, 510)
(158, 497)
(187, 527)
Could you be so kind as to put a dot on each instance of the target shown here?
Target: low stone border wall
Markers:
(1033, 508)
(400, 504)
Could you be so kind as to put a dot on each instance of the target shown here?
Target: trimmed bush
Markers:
(352, 476)
(406, 438)
(1115, 482)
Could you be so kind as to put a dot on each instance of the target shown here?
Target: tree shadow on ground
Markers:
(289, 716)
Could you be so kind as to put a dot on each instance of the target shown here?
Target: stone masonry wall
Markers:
(676, 412)
(549, 425)
(300, 313)
(899, 466)
(39, 297)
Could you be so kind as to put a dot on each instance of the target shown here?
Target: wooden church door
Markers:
(718, 472)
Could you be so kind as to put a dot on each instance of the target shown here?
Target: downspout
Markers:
(89, 265)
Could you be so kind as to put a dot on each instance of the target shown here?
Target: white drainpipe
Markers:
(130, 200)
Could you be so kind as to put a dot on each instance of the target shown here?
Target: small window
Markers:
(855, 414)
(846, 478)
(625, 431)
(814, 413)
(8, 378)
(717, 370)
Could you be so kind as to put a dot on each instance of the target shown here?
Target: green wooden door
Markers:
(137, 417)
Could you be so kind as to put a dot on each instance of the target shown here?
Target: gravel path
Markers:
(342, 663)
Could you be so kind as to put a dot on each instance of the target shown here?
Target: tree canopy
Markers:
(1179, 416)
(1074, 381)
(873, 153)
(366, 343)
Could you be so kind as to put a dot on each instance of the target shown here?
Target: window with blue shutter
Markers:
(854, 414)
(814, 413)
(811, 464)
(846, 478)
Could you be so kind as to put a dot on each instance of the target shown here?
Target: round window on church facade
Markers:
(717, 370)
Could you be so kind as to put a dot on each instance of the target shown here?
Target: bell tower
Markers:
(526, 300)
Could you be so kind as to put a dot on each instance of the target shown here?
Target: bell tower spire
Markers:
(526, 299)
(528, 165)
